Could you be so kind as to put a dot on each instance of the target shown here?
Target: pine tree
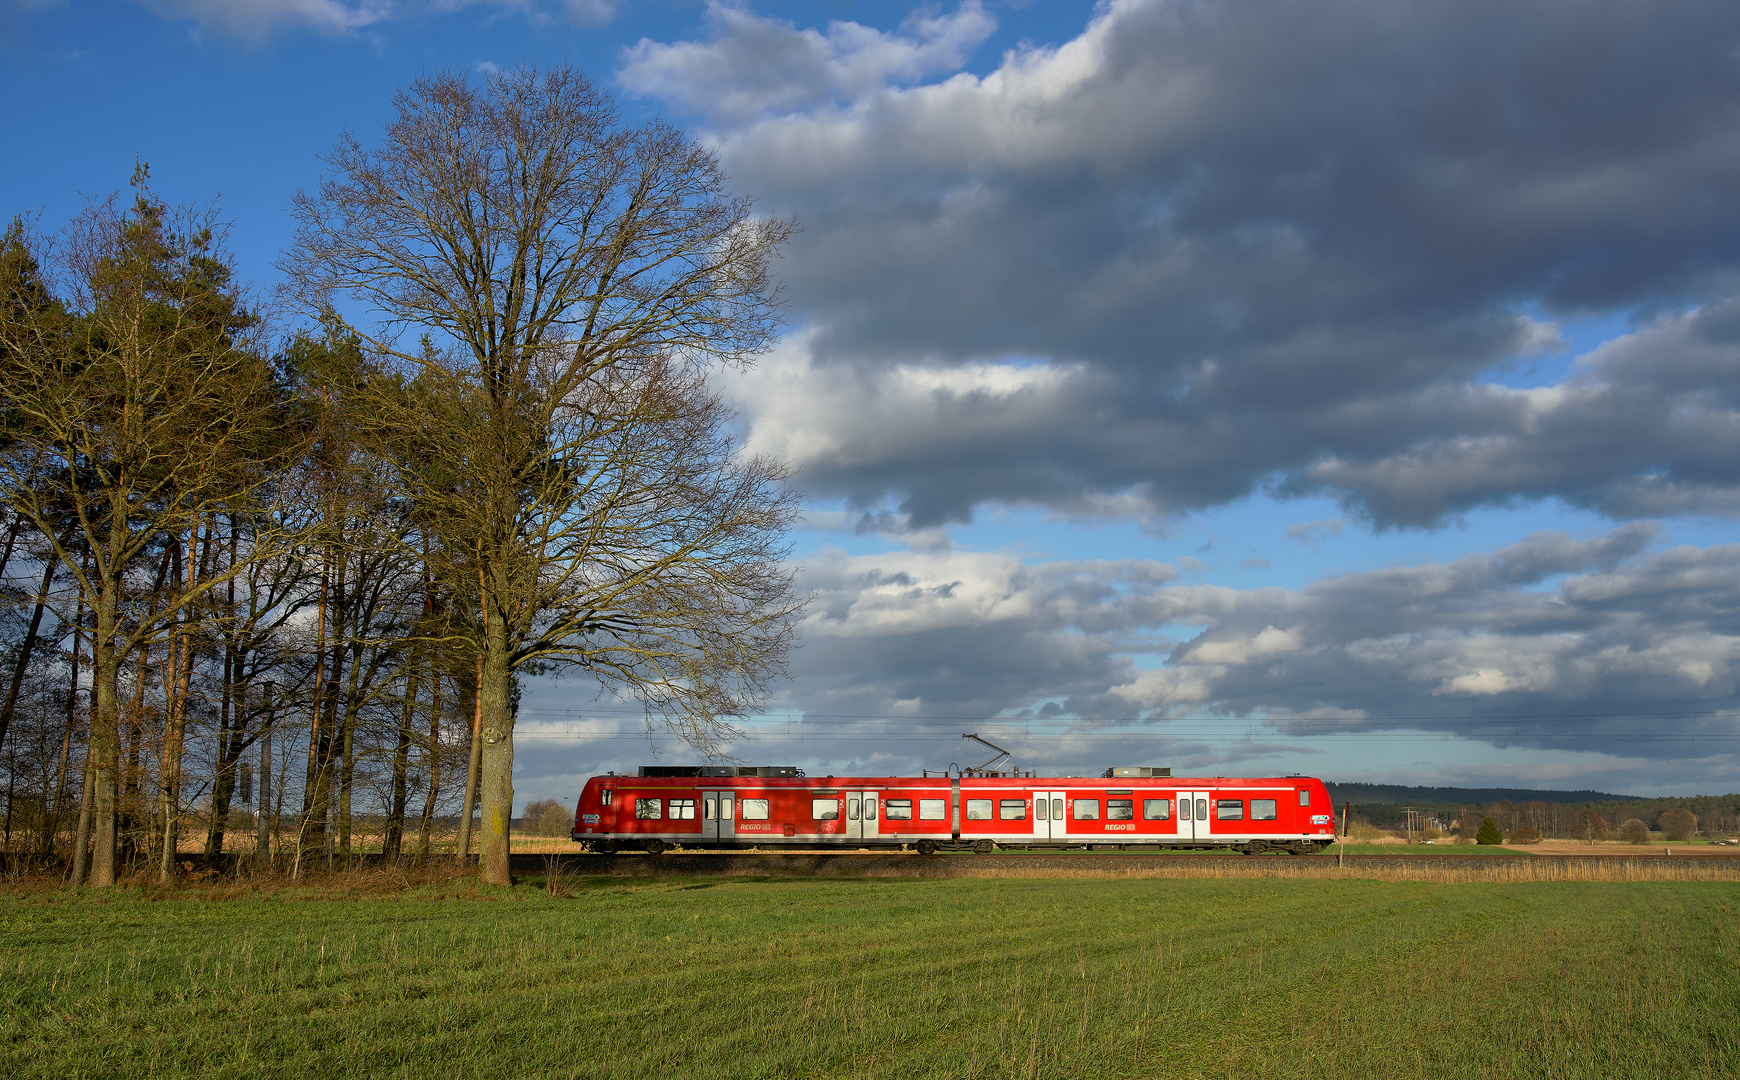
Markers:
(1488, 833)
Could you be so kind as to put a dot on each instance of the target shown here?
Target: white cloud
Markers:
(754, 65)
(255, 20)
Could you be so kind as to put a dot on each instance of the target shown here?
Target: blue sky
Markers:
(1346, 388)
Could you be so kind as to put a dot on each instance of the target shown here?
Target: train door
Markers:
(1193, 811)
(1048, 823)
(862, 815)
(719, 815)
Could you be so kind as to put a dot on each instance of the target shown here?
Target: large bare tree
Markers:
(550, 288)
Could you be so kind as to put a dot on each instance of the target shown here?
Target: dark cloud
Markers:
(1263, 245)
(1602, 645)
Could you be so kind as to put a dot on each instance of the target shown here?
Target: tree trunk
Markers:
(495, 713)
(393, 838)
(472, 768)
(230, 747)
(263, 841)
(313, 791)
(426, 827)
(175, 723)
(347, 776)
(104, 759)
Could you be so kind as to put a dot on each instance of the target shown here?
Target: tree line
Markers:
(307, 570)
(1533, 819)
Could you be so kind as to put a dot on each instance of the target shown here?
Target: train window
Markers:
(1057, 809)
(853, 808)
(1184, 809)
(1120, 809)
(1304, 798)
(1039, 810)
(725, 808)
(898, 809)
(978, 809)
(1229, 809)
(1014, 809)
(1086, 809)
(709, 809)
(648, 809)
(1202, 809)
(933, 809)
(609, 792)
(827, 809)
(1263, 810)
(754, 809)
(682, 809)
(1156, 809)
(869, 808)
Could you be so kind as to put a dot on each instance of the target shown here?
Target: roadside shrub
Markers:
(1364, 831)
(547, 817)
(1488, 833)
(1634, 832)
(1525, 834)
(1678, 824)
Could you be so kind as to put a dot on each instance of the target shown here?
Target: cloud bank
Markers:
(1202, 250)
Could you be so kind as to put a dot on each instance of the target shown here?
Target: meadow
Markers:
(1269, 970)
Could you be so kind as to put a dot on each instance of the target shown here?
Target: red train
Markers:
(779, 807)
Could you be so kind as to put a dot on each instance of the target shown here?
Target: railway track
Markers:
(857, 865)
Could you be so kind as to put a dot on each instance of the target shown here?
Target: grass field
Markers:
(1162, 976)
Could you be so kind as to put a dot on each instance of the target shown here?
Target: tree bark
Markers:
(473, 765)
(105, 752)
(495, 713)
(393, 838)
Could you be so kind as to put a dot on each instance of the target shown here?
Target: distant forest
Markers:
(1552, 813)
(1393, 793)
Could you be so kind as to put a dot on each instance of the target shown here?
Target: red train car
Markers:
(779, 807)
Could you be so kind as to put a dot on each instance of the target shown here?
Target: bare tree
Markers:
(138, 415)
(566, 282)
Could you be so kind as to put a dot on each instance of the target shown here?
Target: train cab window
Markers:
(978, 809)
(1156, 809)
(1014, 809)
(1263, 810)
(648, 809)
(1304, 797)
(682, 810)
(753, 809)
(898, 809)
(869, 808)
(854, 807)
(1086, 809)
(825, 809)
(1229, 809)
(1120, 809)
(608, 792)
(933, 809)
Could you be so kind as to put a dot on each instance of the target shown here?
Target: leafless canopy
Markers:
(548, 291)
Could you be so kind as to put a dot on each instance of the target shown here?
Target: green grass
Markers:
(1160, 977)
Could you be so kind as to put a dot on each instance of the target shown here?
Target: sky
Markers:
(1349, 388)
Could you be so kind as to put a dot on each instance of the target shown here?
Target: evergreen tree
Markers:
(1488, 833)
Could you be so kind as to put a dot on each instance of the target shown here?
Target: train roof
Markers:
(792, 773)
